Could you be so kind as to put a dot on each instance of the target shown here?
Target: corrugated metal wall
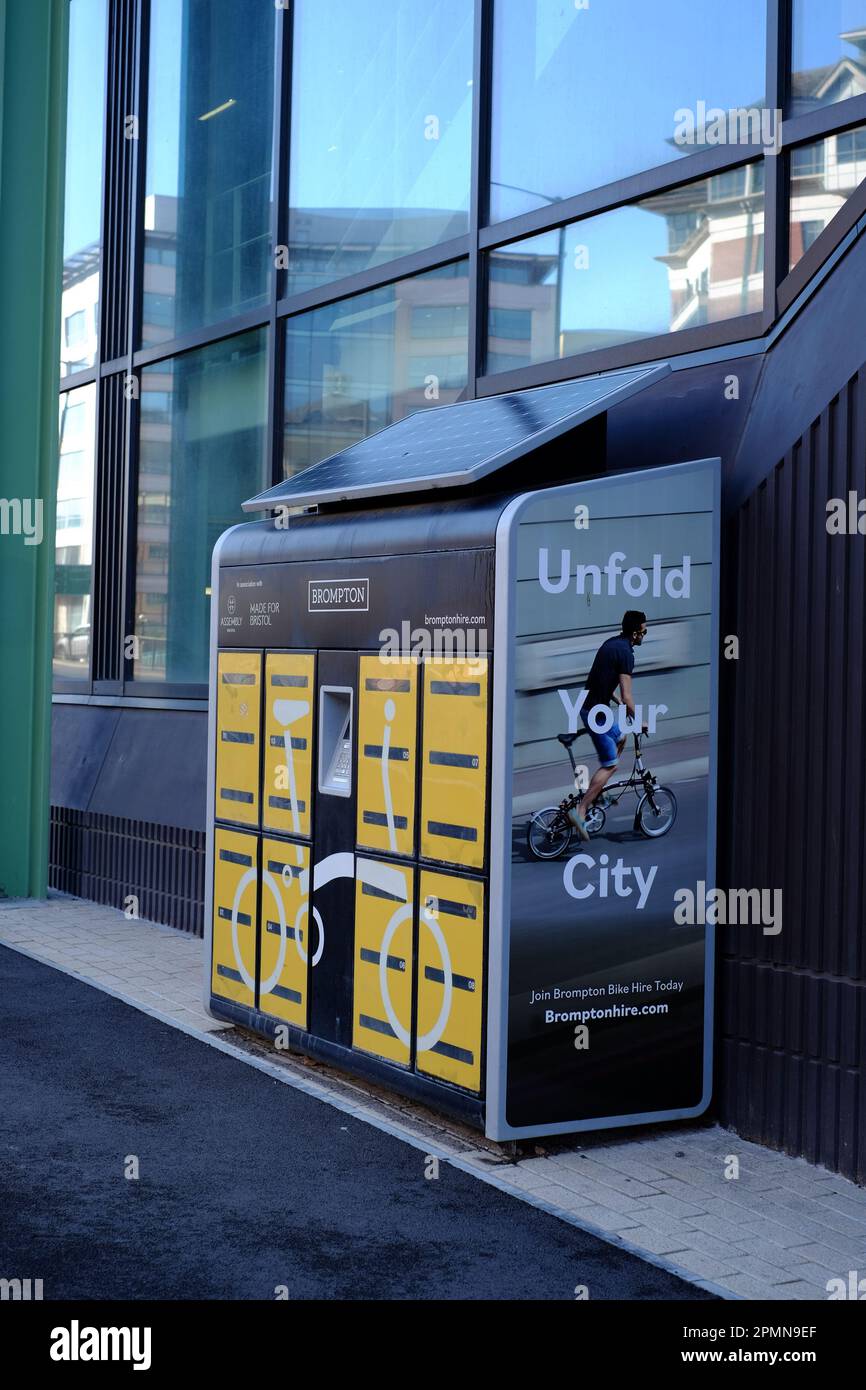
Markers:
(792, 1007)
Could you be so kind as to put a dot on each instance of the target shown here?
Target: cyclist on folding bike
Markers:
(613, 664)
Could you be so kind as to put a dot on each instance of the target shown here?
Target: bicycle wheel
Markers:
(548, 833)
(656, 812)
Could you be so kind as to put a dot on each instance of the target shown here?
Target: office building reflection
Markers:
(692, 255)
(73, 553)
(824, 174)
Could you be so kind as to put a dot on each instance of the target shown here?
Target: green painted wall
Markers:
(32, 123)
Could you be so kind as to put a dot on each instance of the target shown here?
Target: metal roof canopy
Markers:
(455, 445)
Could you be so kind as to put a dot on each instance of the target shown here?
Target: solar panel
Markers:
(453, 445)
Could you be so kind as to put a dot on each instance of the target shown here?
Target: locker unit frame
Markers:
(463, 1104)
(486, 1108)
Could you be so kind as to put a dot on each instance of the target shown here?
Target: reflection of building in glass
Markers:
(201, 436)
(208, 187)
(152, 530)
(823, 177)
(328, 243)
(563, 293)
(159, 277)
(79, 310)
(225, 275)
(523, 320)
(360, 364)
(74, 533)
(715, 258)
(822, 86)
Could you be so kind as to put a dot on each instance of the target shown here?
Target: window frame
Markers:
(127, 60)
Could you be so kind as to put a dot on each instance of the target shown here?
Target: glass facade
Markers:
(285, 147)
(201, 454)
(85, 102)
(381, 133)
(359, 364)
(824, 174)
(693, 255)
(208, 195)
(829, 53)
(73, 540)
(586, 94)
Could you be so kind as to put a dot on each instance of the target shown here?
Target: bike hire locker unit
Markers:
(386, 678)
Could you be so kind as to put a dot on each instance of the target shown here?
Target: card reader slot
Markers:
(335, 740)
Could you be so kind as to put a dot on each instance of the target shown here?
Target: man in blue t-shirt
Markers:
(613, 665)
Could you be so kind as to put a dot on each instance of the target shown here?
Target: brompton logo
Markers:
(338, 596)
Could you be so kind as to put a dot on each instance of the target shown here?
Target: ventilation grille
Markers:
(108, 859)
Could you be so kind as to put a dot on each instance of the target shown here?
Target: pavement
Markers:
(144, 1164)
(201, 1105)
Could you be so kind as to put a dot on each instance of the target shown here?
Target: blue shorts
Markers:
(605, 744)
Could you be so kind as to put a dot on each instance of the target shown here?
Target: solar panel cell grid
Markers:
(452, 445)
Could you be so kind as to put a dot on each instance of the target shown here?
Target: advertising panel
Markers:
(604, 761)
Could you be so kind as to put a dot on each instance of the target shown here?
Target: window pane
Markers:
(356, 366)
(79, 314)
(829, 53)
(381, 132)
(823, 177)
(689, 256)
(583, 96)
(207, 216)
(202, 453)
(73, 541)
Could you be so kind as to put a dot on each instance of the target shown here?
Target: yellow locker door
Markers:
(289, 701)
(285, 915)
(239, 678)
(454, 772)
(235, 879)
(383, 960)
(450, 978)
(387, 726)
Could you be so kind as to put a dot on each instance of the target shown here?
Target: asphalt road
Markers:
(245, 1184)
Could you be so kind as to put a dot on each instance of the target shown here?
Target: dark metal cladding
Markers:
(409, 562)
(447, 524)
(791, 803)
